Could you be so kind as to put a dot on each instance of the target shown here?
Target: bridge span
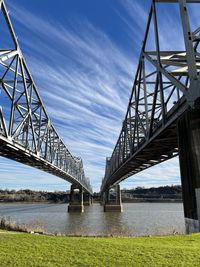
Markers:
(26, 131)
(163, 115)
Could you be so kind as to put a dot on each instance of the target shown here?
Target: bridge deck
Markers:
(162, 146)
(166, 85)
(26, 131)
(16, 152)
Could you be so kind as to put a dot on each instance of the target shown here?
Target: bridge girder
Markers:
(26, 131)
(166, 85)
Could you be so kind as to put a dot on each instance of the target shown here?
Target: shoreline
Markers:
(89, 236)
(123, 202)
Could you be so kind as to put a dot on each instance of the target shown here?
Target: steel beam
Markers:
(159, 98)
(26, 132)
(189, 157)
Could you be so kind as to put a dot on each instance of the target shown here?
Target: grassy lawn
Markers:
(19, 249)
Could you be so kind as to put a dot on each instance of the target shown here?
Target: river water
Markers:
(137, 218)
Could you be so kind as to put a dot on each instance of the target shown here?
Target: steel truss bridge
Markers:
(26, 132)
(167, 84)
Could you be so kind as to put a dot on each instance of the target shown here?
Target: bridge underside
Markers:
(26, 131)
(15, 152)
(163, 115)
(162, 146)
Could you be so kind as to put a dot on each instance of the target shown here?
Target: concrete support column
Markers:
(76, 200)
(71, 196)
(102, 198)
(113, 205)
(81, 195)
(107, 196)
(118, 195)
(189, 158)
(87, 199)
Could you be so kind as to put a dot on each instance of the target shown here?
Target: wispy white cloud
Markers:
(85, 80)
(166, 173)
(16, 175)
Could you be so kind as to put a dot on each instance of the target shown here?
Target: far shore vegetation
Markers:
(171, 193)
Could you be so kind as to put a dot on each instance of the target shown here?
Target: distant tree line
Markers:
(162, 193)
(162, 190)
(33, 196)
(173, 192)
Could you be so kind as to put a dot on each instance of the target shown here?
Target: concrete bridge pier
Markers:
(110, 204)
(102, 197)
(189, 158)
(76, 199)
(87, 199)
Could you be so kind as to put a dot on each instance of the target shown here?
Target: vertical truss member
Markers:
(163, 116)
(26, 132)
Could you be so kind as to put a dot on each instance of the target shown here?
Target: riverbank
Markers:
(20, 249)
(161, 194)
(98, 202)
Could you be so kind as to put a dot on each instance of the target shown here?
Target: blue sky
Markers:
(83, 56)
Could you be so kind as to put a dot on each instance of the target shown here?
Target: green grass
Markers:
(21, 249)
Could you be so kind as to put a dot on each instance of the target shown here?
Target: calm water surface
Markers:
(136, 219)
